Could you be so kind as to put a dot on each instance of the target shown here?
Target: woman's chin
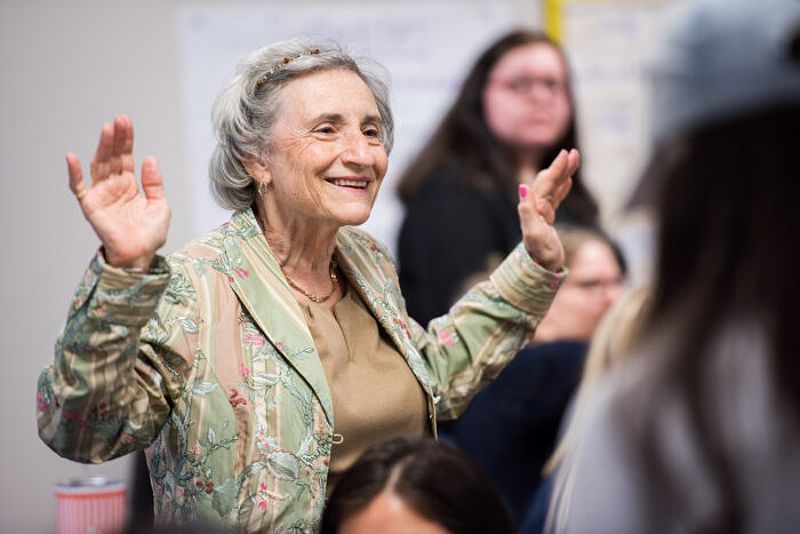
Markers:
(353, 217)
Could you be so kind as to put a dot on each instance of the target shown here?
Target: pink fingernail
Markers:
(523, 191)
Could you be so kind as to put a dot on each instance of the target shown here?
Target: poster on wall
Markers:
(425, 57)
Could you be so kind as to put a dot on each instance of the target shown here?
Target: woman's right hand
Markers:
(132, 226)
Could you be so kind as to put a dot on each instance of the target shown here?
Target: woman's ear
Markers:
(258, 171)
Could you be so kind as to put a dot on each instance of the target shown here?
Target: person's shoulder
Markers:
(210, 248)
(208, 245)
(352, 238)
(364, 251)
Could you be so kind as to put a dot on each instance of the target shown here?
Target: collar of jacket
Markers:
(258, 282)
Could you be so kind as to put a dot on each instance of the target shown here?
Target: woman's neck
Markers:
(304, 250)
(301, 256)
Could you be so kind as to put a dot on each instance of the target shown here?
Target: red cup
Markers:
(93, 505)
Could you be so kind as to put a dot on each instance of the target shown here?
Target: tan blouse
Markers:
(375, 394)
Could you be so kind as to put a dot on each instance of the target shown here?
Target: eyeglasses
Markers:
(525, 85)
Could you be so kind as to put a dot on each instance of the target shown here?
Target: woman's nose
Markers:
(357, 150)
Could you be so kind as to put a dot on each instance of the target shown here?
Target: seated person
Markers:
(510, 428)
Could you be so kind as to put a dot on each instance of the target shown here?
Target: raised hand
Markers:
(132, 226)
(538, 202)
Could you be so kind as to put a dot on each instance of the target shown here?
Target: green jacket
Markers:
(207, 360)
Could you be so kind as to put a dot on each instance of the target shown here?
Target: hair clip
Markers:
(288, 59)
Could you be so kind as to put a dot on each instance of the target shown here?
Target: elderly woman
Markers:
(260, 360)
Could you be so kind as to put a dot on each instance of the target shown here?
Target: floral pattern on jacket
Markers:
(207, 360)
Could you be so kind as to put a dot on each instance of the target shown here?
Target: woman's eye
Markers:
(551, 84)
(521, 85)
(372, 132)
(325, 130)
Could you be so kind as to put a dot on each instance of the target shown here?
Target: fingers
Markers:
(553, 183)
(537, 207)
(76, 184)
(561, 193)
(544, 182)
(563, 184)
(152, 183)
(101, 163)
(529, 206)
(127, 146)
(546, 207)
(536, 219)
(573, 161)
(525, 207)
(550, 187)
(122, 153)
(114, 154)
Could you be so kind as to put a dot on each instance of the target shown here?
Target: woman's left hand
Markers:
(537, 207)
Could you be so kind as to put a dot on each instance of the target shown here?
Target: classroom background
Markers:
(67, 67)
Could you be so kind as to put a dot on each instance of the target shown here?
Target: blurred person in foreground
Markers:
(513, 114)
(415, 485)
(510, 428)
(259, 361)
(609, 347)
(700, 432)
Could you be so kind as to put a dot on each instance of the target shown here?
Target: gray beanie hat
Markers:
(722, 59)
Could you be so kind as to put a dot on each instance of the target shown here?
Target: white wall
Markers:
(65, 68)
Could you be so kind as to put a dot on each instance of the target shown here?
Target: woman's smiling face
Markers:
(326, 159)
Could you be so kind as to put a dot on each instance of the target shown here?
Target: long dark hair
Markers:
(464, 141)
(727, 250)
(434, 479)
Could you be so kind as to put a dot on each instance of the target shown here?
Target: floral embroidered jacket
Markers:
(208, 361)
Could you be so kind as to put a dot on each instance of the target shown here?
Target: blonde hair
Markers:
(616, 333)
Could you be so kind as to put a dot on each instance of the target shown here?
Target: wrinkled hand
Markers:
(537, 207)
(132, 226)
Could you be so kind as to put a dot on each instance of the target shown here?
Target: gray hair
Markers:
(245, 110)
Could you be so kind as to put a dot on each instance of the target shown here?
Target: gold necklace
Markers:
(316, 298)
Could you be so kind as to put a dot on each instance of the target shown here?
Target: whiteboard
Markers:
(426, 47)
(609, 44)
